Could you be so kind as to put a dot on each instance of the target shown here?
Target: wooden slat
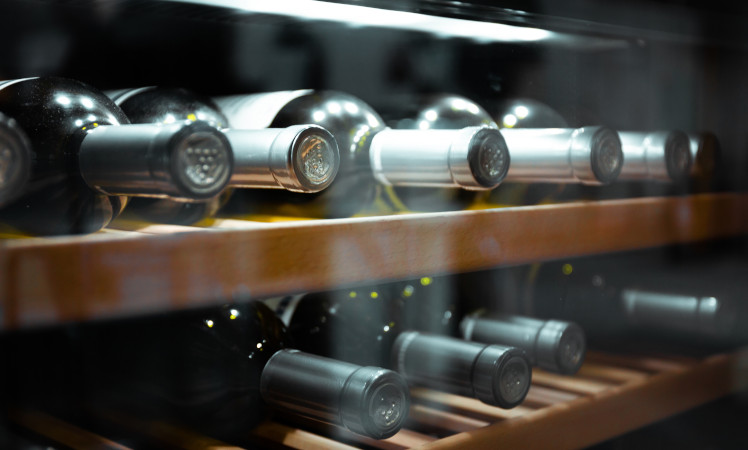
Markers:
(539, 396)
(576, 384)
(610, 373)
(62, 432)
(404, 439)
(296, 438)
(443, 420)
(151, 228)
(401, 440)
(162, 433)
(465, 405)
(81, 278)
(595, 418)
(639, 362)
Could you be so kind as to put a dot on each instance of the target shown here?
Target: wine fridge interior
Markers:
(474, 224)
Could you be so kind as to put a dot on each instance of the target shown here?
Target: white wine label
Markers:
(120, 95)
(6, 83)
(255, 111)
(284, 307)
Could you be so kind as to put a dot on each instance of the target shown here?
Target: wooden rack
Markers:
(611, 394)
(152, 268)
(156, 268)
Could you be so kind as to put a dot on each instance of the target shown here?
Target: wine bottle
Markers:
(439, 305)
(652, 155)
(215, 370)
(589, 155)
(373, 156)
(301, 158)
(15, 159)
(657, 156)
(87, 160)
(553, 345)
(632, 296)
(654, 163)
(365, 327)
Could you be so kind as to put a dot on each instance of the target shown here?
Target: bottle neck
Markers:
(589, 155)
(707, 316)
(473, 158)
(494, 374)
(301, 158)
(185, 161)
(367, 400)
(658, 156)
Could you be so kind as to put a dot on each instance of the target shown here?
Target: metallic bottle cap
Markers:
(374, 402)
(315, 159)
(678, 159)
(201, 161)
(657, 155)
(488, 157)
(560, 347)
(501, 376)
(596, 154)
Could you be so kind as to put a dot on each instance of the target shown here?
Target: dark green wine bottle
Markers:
(372, 156)
(86, 159)
(301, 158)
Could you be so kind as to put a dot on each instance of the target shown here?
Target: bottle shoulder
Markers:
(350, 120)
(169, 105)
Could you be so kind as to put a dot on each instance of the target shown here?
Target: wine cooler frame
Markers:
(605, 63)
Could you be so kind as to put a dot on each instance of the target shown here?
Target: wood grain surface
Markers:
(45, 281)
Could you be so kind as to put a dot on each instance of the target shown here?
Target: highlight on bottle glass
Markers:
(15, 159)
(606, 154)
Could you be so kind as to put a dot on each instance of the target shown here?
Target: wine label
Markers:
(255, 111)
(6, 83)
(119, 96)
(284, 307)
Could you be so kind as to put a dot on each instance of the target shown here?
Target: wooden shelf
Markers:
(611, 395)
(117, 273)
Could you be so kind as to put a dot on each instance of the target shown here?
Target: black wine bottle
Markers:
(652, 155)
(589, 155)
(654, 162)
(372, 155)
(663, 156)
(301, 158)
(636, 296)
(86, 161)
(215, 370)
(15, 160)
(439, 305)
(365, 327)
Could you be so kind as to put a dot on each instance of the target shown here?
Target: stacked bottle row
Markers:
(345, 357)
(73, 157)
(348, 357)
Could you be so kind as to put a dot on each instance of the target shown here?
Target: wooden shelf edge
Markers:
(116, 275)
(591, 420)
